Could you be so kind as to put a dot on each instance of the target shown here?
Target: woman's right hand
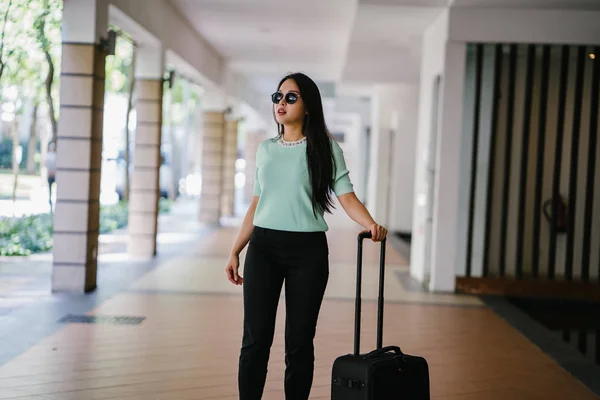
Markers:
(232, 270)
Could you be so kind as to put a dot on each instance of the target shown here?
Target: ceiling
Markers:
(271, 37)
(348, 42)
(385, 43)
(354, 41)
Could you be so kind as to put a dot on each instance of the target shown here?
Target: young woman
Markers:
(295, 176)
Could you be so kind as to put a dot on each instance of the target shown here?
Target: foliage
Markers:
(47, 27)
(165, 205)
(23, 46)
(118, 67)
(113, 217)
(33, 234)
(26, 235)
(6, 147)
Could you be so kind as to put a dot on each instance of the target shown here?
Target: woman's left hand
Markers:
(378, 232)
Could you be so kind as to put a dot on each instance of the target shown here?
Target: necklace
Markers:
(285, 143)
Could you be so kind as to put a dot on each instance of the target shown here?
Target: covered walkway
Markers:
(413, 91)
(187, 345)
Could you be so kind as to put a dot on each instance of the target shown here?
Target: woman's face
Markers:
(287, 113)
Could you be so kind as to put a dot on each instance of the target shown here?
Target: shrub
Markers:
(24, 236)
(113, 217)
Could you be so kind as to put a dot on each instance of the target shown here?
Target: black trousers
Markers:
(300, 259)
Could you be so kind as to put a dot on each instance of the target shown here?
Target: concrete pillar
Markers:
(448, 180)
(429, 126)
(252, 141)
(79, 147)
(145, 187)
(212, 167)
(229, 157)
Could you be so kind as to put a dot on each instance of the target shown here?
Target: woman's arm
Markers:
(246, 230)
(357, 211)
(240, 243)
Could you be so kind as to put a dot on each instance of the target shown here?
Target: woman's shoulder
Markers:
(265, 145)
(335, 146)
(270, 141)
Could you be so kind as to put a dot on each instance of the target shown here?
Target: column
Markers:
(212, 167)
(229, 158)
(145, 187)
(79, 147)
(448, 181)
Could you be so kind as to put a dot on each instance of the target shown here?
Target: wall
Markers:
(360, 107)
(462, 25)
(432, 65)
(393, 141)
(482, 159)
(518, 26)
(488, 25)
(550, 135)
(403, 161)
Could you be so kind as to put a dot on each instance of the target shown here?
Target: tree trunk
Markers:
(2, 35)
(127, 138)
(33, 140)
(48, 84)
(15, 160)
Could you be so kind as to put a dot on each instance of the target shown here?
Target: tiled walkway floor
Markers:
(188, 345)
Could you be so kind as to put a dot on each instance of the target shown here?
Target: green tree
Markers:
(118, 67)
(29, 39)
(47, 27)
(3, 36)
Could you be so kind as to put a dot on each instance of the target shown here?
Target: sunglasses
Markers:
(290, 98)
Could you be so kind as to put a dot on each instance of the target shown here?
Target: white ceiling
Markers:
(264, 37)
(353, 42)
(385, 44)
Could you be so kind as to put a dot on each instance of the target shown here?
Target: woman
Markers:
(295, 176)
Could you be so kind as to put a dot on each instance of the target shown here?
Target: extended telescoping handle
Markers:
(357, 311)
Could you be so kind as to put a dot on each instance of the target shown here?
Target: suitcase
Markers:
(385, 373)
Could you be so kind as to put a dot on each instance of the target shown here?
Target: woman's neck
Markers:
(292, 133)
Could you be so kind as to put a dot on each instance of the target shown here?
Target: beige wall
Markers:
(229, 157)
(212, 167)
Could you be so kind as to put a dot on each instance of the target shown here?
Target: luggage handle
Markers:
(357, 311)
(384, 350)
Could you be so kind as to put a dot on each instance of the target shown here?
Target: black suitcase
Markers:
(385, 373)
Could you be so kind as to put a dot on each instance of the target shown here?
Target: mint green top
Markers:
(282, 181)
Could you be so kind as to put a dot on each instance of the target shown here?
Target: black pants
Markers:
(301, 260)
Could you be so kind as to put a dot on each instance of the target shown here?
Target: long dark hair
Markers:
(319, 153)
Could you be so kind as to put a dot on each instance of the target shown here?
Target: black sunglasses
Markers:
(290, 98)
